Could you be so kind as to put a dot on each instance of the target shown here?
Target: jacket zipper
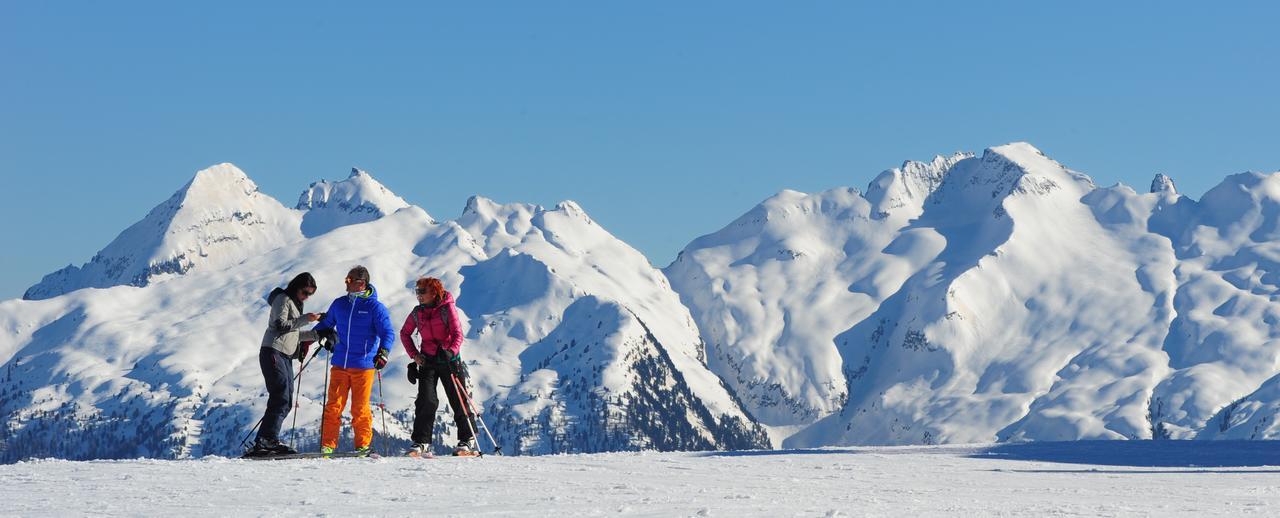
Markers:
(433, 334)
(347, 358)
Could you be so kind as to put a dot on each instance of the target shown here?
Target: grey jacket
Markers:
(284, 326)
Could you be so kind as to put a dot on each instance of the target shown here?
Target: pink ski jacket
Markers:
(437, 327)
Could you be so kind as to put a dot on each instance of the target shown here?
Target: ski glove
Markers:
(328, 338)
(413, 372)
(458, 368)
(380, 359)
(303, 349)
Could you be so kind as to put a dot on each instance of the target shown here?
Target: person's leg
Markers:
(361, 415)
(466, 427)
(339, 386)
(424, 408)
(277, 371)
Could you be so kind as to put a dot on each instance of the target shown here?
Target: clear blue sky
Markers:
(665, 120)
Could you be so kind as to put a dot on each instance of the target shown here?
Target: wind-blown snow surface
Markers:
(1088, 479)
(992, 298)
(575, 342)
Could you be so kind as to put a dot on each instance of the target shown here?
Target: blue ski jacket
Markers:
(363, 326)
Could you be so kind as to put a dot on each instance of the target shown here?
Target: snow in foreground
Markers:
(1085, 478)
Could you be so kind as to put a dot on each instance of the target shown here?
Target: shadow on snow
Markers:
(1145, 454)
(1137, 454)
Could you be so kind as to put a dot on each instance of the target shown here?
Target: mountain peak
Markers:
(225, 171)
(572, 208)
(218, 218)
(357, 199)
(1163, 184)
(1017, 155)
(1023, 169)
(221, 185)
(1015, 149)
(479, 205)
(910, 184)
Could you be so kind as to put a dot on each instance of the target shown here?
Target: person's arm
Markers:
(382, 325)
(329, 321)
(406, 334)
(280, 320)
(455, 330)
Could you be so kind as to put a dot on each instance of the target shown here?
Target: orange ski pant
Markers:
(358, 383)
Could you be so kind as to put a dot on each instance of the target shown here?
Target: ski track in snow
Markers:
(1187, 479)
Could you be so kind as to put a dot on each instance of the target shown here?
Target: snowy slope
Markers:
(214, 221)
(600, 336)
(1129, 478)
(1001, 297)
(170, 370)
(1224, 342)
(357, 199)
(772, 290)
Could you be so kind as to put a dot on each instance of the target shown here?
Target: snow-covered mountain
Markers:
(1001, 297)
(214, 221)
(971, 298)
(575, 342)
(771, 290)
(608, 357)
(357, 199)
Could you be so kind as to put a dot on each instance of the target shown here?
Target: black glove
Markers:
(459, 369)
(413, 372)
(303, 348)
(445, 356)
(328, 338)
(380, 359)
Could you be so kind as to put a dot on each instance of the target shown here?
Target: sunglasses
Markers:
(308, 292)
(420, 291)
(353, 281)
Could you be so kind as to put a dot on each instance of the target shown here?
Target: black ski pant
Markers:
(277, 370)
(424, 419)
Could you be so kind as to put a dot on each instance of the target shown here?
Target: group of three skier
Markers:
(357, 332)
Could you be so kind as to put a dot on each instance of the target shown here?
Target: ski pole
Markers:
(471, 402)
(466, 412)
(382, 403)
(245, 440)
(497, 448)
(469, 405)
(293, 429)
(324, 396)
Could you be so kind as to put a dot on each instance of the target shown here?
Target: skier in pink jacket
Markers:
(437, 358)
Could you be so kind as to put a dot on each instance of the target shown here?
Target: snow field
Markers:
(1088, 478)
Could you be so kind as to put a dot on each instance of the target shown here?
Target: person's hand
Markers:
(420, 359)
(328, 338)
(312, 317)
(380, 359)
(303, 349)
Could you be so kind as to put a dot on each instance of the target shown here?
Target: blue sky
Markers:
(664, 120)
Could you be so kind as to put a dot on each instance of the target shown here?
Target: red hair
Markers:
(435, 290)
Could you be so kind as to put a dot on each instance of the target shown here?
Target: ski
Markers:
(314, 455)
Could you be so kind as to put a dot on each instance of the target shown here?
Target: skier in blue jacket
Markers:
(364, 338)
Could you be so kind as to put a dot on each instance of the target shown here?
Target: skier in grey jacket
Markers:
(284, 341)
